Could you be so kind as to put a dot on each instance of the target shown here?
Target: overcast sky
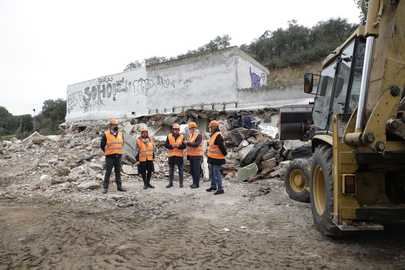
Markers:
(47, 44)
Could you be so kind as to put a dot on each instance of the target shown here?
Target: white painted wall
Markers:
(250, 74)
(212, 78)
(209, 80)
(107, 96)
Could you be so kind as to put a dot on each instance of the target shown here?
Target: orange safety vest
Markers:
(175, 152)
(114, 144)
(145, 149)
(194, 151)
(213, 149)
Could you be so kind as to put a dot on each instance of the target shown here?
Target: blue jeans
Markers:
(215, 176)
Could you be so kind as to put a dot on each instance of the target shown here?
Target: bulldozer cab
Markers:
(339, 84)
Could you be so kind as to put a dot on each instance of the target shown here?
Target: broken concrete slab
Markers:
(89, 185)
(248, 171)
(245, 151)
(130, 170)
(251, 156)
(35, 138)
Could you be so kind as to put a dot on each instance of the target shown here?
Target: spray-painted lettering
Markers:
(108, 88)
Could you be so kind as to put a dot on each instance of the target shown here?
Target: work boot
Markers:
(145, 183)
(148, 183)
(105, 191)
(181, 183)
(211, 189)
(169, 185)
(219, 192)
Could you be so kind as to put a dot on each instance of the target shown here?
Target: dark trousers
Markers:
(146, 176)
(145, 168)
(176, 161)
(113, 161)
(195, 166)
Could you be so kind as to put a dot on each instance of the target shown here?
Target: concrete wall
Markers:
(211, 79)
(107, 96)
(205, 79)
(250, 74)
(273, 97)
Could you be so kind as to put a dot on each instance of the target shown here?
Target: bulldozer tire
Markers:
(321, 192)
(296, 177)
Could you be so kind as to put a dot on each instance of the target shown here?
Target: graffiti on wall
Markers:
(257, 80)
(111, 89)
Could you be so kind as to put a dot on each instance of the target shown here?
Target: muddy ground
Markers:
(251, 226)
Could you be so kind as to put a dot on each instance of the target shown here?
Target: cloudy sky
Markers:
(47, 44)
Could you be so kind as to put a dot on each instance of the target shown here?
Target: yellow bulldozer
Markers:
(355, 177)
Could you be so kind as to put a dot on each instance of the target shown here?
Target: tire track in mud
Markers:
(163, 232)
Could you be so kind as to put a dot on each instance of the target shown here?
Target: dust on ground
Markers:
(251, 226)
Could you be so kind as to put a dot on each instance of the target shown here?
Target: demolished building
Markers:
(227, 79)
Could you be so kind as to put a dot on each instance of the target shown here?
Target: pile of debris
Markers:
(73, 160)
(252, 154)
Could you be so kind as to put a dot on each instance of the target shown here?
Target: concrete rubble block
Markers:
(62, 171)
(7, 144)
(231, 155)
(276, 172)
(251, 156)
(44, 180)
(76, 174)
(35, 138)
(268, 166)
(169, 120)
(95, 143)
(262, 151)
(245, 151)
(270, 154)
(243, 143)
(130, 170)
(95, 166)
(235, 137)
(252, 140)
(58, 180)
(228, 168)
(89, 185)
(248, 171)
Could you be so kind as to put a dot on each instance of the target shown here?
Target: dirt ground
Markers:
(251, 226)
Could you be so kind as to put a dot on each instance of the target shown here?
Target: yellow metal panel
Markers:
(344, 162)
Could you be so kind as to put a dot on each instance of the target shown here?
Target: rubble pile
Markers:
(68, 162)
(252, 154)
(73, 160)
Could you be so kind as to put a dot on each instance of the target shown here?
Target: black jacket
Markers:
(220, 142)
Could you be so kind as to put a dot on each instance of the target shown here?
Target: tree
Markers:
(6, 125)
(363, 6)
(133, 65)
(155, 60)
(218, 43)
(53, 113)
(298, 44)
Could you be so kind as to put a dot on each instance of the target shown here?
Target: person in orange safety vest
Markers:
(216, 157)
(145, 156)
(112, 143)
(195, 153)
(175, 146)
